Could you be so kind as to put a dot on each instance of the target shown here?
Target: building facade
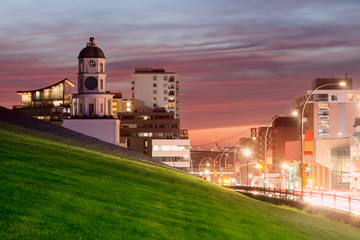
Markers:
(50, 103)
(155, 88)
(331, 110)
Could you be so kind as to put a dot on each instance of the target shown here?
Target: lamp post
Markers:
(265, 143)
(258, 166)
(237, 145)
(302, 127)
(247, 153)
(202, 161)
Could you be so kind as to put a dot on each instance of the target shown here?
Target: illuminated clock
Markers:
(91, 83)
(92, 63)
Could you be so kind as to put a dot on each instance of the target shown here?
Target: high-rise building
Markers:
(155, 88)
(331, 110)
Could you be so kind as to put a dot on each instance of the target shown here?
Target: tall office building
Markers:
(154, 88)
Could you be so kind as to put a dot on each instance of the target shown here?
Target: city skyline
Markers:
(240, 63)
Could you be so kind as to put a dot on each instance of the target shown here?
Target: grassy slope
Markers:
(51, 190)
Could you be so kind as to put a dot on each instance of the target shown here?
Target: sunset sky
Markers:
(240, 62)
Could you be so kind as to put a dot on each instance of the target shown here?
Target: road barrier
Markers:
(338, 201)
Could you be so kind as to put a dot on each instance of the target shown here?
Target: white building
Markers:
(91, 108)
(92, 99)
(155, 88)
(173, 152)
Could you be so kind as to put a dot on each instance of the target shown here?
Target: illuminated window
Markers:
(128, 109)
(154, 98)
(351, 97)
(128, 104)
(165, 105)
(114, 104)
(358, 97)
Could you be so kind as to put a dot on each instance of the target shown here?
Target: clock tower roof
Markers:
(91, 50)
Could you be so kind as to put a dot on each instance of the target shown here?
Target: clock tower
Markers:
(92, 99)
(91, 73)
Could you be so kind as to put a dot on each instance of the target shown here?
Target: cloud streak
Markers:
(239, 63)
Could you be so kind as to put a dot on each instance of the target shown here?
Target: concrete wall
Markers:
(107, 130)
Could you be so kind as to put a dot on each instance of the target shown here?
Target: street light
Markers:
(202, 161)
(294, 113)
(247, 153)
(258, 166)
(302, 127)
(237, 145)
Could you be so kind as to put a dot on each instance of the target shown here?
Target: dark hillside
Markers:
(36, 127)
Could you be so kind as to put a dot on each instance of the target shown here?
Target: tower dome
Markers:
(91, 50)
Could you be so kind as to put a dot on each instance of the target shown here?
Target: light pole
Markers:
(294, 113)
(237, 145)
(258, 166)
(202, 161)
(302, 127)
(247, 153)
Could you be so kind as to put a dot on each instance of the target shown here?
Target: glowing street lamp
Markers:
(294, 113)
(247, 153)
(258, 166)
(302, 128)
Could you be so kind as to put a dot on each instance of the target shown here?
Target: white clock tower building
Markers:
(91, 108)
(92, 99)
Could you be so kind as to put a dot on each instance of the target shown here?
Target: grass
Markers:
(53, 190)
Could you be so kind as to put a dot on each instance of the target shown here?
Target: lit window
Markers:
(358, 97)
(128, 109)
(351, 97)
(165, 105)
(128, 104)
(154, 99)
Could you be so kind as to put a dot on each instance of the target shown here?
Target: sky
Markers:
(239, 62)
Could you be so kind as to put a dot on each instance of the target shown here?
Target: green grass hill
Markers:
(57, 184)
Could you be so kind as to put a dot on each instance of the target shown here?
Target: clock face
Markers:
(91, 83)
(92, 63)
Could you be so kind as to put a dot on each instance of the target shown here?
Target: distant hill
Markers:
(58, 184)
(41, 128)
